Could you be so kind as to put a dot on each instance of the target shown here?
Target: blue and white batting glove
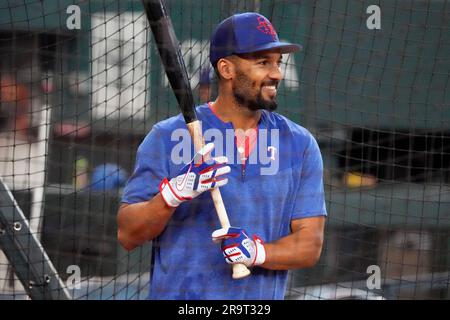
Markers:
(237, 247)
(196, 177)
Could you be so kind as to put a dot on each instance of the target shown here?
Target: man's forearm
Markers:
(300, 249)
(141, 222)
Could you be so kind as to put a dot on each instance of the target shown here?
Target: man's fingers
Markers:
(222, 171)
(221, 159)
(215, 172)
(225, 233)
(218, 235)
(221, 182)
(213, 183)
(207, 148)
(203, 153)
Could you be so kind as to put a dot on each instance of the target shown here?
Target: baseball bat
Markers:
(170, 53)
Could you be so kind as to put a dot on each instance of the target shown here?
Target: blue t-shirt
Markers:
(282, 181)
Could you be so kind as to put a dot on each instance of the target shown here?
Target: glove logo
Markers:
(182, 184)
(193, 180)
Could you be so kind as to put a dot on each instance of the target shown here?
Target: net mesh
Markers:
(82, 84)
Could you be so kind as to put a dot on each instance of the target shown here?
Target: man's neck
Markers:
(229, 111)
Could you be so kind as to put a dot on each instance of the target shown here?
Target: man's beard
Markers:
(243, 86)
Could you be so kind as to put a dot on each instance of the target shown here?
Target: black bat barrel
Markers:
(170, 53)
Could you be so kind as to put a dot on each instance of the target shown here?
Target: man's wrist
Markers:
(168, 194)
(267, 255)
(260, 256)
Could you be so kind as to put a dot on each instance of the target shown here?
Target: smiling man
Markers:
(277, 215)
(255, 85)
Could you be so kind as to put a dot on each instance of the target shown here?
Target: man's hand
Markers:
(237, 247)
(196, 177)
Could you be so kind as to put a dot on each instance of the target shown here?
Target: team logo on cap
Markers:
(266, 27)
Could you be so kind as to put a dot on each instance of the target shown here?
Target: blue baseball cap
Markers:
(246, 33)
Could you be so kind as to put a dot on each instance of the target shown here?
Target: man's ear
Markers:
(226, 68)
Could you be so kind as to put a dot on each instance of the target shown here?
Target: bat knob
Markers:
(240, 271)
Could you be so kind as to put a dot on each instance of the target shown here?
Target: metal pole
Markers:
(26, 254)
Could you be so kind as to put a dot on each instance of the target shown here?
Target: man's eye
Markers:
(263, 63)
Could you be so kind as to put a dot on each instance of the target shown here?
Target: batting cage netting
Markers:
(82, 84)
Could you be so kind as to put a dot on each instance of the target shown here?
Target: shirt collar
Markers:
(217, 122)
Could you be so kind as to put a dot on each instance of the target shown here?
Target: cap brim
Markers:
(283, 47)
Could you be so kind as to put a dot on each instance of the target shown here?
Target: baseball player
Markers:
(271, 181)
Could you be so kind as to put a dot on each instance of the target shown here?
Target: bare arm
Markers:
(300, 249)
(143, 221)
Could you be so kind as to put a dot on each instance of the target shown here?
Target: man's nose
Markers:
(276, 73)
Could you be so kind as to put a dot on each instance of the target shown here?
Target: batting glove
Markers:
(196, 177)
(237, 247)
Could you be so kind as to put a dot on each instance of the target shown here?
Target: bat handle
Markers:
(239, 270)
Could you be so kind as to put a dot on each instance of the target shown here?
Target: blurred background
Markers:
(82, 84)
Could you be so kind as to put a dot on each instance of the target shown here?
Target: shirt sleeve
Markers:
(151, 167)
(310, 197)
